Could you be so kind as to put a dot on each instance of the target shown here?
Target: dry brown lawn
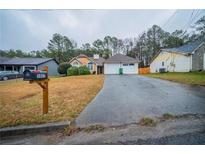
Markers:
(21, 102)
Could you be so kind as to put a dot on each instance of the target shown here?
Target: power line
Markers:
(169, 19)
(194, 19)
(187, 25)
(196, 16)
(191, 15)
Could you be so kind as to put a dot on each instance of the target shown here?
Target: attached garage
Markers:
(121, 64)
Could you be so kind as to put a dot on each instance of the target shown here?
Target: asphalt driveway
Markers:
(126, 99)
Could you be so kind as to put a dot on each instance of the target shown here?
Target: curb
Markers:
(31, 129)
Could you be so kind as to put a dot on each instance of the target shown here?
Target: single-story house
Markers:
(22, 64)
(95, 63)
(128, 65)
(189, 57)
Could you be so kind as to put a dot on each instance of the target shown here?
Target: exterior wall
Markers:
(198, 61)
(173, 62)
(73, 63)
(85, 61)
(157, 62)
(52, 67)
(114, 68)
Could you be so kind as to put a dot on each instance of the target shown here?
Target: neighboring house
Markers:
(95, 63)
(189, 57)
(22, 64)
(128, 65)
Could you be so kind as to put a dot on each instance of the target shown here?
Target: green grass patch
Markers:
(192, 78)
(146, 121)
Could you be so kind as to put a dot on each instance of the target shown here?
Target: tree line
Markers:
(143, 47)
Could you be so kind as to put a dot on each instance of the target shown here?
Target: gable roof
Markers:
(82, 56)
(79, 56)
(98, 61)
(24, 61)
(119, 58)
(3, 59)
(74, 58)
(187, 48)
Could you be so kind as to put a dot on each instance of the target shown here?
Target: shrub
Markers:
(72, 71)
(83, 70)
(63, 67)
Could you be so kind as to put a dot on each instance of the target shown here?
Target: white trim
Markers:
(28, 66)
(193, 52)
(96, 71)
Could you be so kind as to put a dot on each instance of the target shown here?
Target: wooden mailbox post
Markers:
(43, 83)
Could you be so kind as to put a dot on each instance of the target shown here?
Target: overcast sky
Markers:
(32, 29)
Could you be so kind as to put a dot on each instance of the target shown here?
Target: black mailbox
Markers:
(34, 75)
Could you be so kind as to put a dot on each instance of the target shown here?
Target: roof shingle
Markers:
(119, 58)
(24, 61)
(99, 61)
(187, 48)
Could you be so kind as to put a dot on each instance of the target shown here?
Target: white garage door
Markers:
(114, 68)
(111, 68)
(129, 69)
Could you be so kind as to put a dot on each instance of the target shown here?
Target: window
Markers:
(162, 63)
(90, 66)
(131, 64)
(75, 64)
(125, 64)
(30, 68)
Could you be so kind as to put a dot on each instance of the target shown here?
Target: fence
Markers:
(145, 70)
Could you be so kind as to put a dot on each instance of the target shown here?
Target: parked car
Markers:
(5, 75)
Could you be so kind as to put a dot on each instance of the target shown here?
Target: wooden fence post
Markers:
(45, 93)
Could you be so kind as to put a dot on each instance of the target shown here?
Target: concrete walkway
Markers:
(127, 98)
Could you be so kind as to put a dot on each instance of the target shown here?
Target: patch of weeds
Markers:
(94, 128)
(71, 130)
(167, 116)
(91, 129)
(146, 121)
